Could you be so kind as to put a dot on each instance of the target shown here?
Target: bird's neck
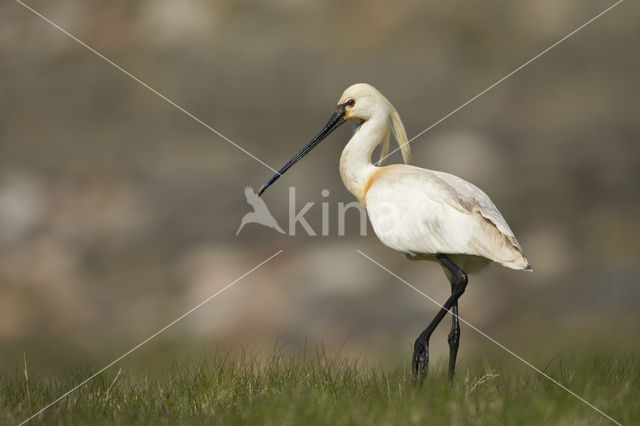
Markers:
(356, 168)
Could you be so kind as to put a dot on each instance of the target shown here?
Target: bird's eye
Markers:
(351, 102)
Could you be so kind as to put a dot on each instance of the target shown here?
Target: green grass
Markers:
(319, 389)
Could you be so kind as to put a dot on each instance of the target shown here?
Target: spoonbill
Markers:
(425, 214)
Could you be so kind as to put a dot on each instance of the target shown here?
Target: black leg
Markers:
(454, 339)
(459, 281)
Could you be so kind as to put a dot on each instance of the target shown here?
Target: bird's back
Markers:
(423, 212)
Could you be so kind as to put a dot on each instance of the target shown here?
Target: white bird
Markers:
(425, 214)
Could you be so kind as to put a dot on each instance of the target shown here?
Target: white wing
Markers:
(423, 212)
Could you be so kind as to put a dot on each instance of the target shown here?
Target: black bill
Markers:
(336, 119)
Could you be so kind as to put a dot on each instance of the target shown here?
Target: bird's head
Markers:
(360, 101)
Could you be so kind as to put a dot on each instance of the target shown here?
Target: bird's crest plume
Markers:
(400, 134)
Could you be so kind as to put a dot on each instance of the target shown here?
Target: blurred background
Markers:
(118, 212)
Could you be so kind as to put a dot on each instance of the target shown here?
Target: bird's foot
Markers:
(454, 341)
(420, 362)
